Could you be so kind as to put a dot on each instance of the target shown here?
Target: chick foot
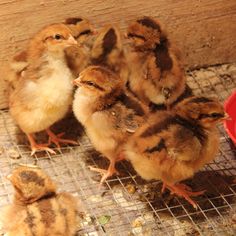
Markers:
(38, 147)
(56, 139)
(106, 173)
(184, 191)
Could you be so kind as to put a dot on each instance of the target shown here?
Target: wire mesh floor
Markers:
(126, 205)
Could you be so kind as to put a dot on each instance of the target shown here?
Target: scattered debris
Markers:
(102, 220)
(131, 188)
(14, 154)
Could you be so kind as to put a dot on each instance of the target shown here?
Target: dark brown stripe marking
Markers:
(29, 220)
(131, 104)
(83, 33)
(163, 59)
(186, 93)
(73, 20)
(201, 100)
(157, 107)
(158, 127)
(161, 145)
(196, 129)
(31, 176)
(148, 22)
(109, 43)
(47, 213)
(103, 70)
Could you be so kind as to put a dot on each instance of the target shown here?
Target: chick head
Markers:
(81, 28)
(98, 81)
(108, 42)
(206, 111)
(145, 33)
(55, 37)
(31, 183)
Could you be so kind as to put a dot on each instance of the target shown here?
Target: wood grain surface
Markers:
(204, 30)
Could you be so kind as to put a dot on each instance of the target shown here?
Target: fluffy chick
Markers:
(172, 146)
(156, 73)
(78, 56)
(108, 51)
(108, 114)
(43, 93)
(37, 209)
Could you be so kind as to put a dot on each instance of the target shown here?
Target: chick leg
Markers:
(121, 157)
(184, 191)
(38, 147)
(106, 173)
(56, 139)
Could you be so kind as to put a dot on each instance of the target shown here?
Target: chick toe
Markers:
(185, 192)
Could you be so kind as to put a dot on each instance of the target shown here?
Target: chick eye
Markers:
(90, 83)
(216, 115)
(58, 36)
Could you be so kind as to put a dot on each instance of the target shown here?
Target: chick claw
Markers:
(38, 147)
(105, 173)
(184, 191)
(41, 147)
(56, 139)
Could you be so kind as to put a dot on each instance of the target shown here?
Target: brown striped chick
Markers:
(156, 73)
(108, 114)
(78, 56)
(172, 146)
(108, 51)
(43, 93)
(37, 209)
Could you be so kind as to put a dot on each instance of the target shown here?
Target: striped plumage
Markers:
(78, 56)
(172, 146)
(156, 72)
(108, 114)
(37, 209)
(108, 51)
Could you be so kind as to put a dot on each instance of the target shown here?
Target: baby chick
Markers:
(108, 114)
(108, 51)
(172, 146)
(78, 56)
(156, 72)
(37, 209)
(43, 93)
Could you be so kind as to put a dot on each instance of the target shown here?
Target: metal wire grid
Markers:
(134, 206)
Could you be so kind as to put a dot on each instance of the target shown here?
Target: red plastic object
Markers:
(230, 108)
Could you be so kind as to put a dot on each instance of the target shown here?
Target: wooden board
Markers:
(204, 30)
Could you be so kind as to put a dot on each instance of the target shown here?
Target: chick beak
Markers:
(226, 117)
(76, 82)
(71, 41)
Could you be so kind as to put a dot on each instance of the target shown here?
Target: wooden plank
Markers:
(205, 31)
